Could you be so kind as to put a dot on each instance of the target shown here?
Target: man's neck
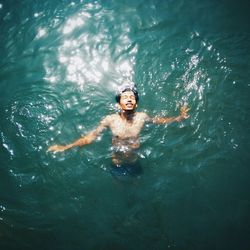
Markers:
(127, 115)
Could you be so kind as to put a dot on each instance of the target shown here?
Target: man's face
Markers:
(127, 101)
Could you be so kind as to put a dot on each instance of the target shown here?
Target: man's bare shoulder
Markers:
(109, 119)
(142, 116)
(113, 117)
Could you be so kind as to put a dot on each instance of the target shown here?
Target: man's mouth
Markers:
(129, 105)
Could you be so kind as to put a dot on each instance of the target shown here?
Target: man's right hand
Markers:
(57, 148)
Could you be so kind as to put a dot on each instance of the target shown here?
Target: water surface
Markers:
(61, 62)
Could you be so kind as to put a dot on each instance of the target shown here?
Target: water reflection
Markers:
(87, 52)
(41, 33)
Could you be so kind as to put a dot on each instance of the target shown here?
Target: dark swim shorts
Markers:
(126, 170)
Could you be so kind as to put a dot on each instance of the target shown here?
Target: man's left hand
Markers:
(184, 112)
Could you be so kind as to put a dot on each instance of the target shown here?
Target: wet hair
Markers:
(133, 89)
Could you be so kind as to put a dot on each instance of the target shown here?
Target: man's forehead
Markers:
(128, 92)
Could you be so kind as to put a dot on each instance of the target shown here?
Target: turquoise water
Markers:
(61, 62)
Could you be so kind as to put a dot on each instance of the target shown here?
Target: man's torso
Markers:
(124, 129)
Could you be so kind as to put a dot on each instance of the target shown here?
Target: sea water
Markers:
(61, 63)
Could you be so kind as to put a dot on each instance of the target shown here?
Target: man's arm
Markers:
(165, 120)
(84, 140)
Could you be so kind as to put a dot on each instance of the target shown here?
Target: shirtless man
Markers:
(125, 127)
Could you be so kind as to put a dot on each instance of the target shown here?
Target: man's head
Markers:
(127, 98)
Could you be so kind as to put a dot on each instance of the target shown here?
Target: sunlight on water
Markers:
(41, 33)
(87, 57)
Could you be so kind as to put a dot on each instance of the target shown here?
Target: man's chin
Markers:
(129, 109)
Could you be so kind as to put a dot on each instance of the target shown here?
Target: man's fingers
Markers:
(184, 109)
(54, 148)
(51, 148)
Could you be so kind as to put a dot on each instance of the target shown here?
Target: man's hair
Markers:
(133, 89)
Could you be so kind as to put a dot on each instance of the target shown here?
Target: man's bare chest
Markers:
(125, 129)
